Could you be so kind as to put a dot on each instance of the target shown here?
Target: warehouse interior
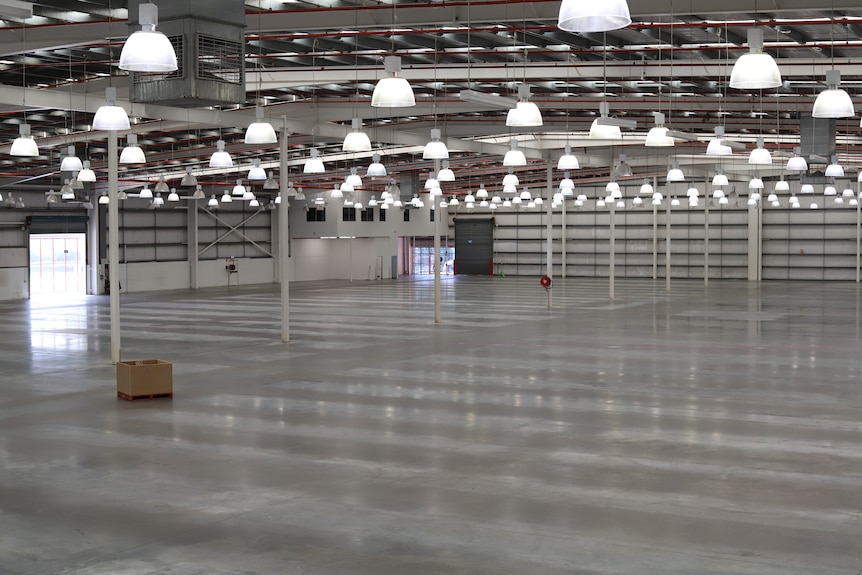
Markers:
(613, 332)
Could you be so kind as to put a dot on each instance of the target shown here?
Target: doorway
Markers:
(58, 264)
(474, 243)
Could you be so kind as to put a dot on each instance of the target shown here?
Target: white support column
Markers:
(667, 245)
(706, 234)
(549, 229)
(563, 239)
(192, 232)
(754, 243)
(93, 248)
(438, 216)
(858, 230)
(612, 255)
(655, 241)
(114, 245)
(284, 235)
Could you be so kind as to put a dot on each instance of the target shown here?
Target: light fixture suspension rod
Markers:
(114, 246)
(284, 234)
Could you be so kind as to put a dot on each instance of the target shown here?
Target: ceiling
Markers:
(315, 65)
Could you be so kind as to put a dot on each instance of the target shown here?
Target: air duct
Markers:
(208, 38)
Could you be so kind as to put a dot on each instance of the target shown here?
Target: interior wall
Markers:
(345, 258)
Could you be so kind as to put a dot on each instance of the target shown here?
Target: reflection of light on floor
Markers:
(59, 341)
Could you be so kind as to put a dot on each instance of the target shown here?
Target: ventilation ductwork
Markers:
(817, 137)
(208, 37)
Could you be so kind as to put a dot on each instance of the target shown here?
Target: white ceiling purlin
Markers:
(49, 99)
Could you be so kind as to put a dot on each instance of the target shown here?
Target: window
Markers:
(382, 217)
(406, 215)
(432, 211)
(315, 215)
(368, 215)
(348, 214)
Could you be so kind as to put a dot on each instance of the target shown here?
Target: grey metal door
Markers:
(474, 246)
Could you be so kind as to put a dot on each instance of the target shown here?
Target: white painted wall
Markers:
(325, 259)
(14, 283)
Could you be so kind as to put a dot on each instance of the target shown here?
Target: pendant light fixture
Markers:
(582, 16)
(71, 162)
(173, 196)
(646, 188)
(220, 158)
(189, 180)
(755, 70)
(435, 149)
(158, 200)
(622, 169)
(162, 186)
(719, 179)
(256, 173)
(797, 162)
(525, 114)
(716, 146)
(24, 145)
(392, 91)
(86, 174)
(148, 50)
(260, 131)
(313, 165)
(226, 198)
(354, 179)
(445, 174)
(568, 161)
(270, 183)
(675, 173)
(760, 156)
(146, 193)
(110, 116)
(375, 168)
(658, 136)
(834, 169)
(599, 130)
(514, 157)
(199, 193)
(238, 189)
(833, 102)
(132, 153)
(356, 140)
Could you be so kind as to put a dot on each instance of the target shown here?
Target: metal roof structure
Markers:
(314, 65)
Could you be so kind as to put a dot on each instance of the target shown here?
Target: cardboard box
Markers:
(145, 378)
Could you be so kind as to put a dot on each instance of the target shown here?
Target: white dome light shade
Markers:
(514, 157)
(356, 140)
(132, 153)
(260, 131)
(657, 138)
(238, 189)
(104, 199)
(760, 156)
(226, 198)
(313, 165)
(717, 147)
(24, 145)
(838, 201)
(847, 193)
(158, 201)
(445, 174)
(146, 193)
(256, 172)
(173, 196)
(567, 184)
(431, 183)
(797, 163)
(612, 188)
(161, 185)
(189, 180)
(806, 189)
(375, 168)
(771, 198)
(755, 184)
(674, 203)
(526, 195)
(392, 91)
(637, 201)
(198, 193)
(833, 102)
(568, 161)
(692, 193)
(213, 202)
(511, 179)
(782, 186)
(346, 187)
(853, 202)
(147, 50)
(71, 162)
(675, 174)
(86, 174)
(719, 179)
(354, 179)
(830, 191)
(220, 158)
(525, 113)
(834, 170)
(111, 117)
(755, 70)
(604, 132)
(646, 188)
(270, 183)
(435, 149)
(581, 16)
(481, 193)
(723, 201)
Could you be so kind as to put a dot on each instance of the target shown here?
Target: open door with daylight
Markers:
(58, 264)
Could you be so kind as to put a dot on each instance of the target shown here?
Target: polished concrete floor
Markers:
(699, 431)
